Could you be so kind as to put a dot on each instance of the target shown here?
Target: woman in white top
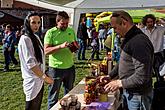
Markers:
(32, 63)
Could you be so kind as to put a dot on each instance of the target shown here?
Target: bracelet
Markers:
(43, 76)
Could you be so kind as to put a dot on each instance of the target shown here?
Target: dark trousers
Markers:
(9, 56)
(158, 61)
(35, 104)
(95, 50)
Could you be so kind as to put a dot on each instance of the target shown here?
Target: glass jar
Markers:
(103, 97)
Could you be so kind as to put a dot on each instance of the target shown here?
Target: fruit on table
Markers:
(89, 97)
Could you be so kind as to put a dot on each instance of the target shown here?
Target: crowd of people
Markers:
(10, 37)
(141, 50)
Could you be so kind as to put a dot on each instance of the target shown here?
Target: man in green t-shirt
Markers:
(61, 65)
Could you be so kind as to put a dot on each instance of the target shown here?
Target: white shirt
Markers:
(156, 37)
(102, 33)
(89, 33)
(32, 84)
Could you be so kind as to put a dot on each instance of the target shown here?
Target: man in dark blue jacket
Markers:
(9, 42)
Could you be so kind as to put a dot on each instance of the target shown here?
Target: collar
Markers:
(148, 29)
(130, 34)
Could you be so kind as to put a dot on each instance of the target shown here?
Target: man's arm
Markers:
(36, 70)
(49, 49)
(114, 72)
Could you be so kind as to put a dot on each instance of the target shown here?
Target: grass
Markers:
(11, 91)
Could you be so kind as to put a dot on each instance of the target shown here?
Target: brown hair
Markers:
(144, 19)
(61, 15)
(9, 26)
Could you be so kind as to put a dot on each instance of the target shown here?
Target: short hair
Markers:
(144, 19)
(61, 15)
(9, 26)
(122, 14)
(83, 19)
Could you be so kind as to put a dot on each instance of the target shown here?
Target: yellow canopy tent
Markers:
(137, 15)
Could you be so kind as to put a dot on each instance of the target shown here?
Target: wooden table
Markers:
(78, 90)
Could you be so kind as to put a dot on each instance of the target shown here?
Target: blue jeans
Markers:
(81, 51)
(137, 101)
(65, 76)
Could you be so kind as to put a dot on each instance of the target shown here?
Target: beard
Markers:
(150, 26)
(63, 28)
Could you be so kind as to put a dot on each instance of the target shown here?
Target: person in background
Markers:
(32, 59)
(95, 44)
(102, 36)
(3, 26)
(61, 64)
(89, 31)
(9, 42)
(18, 35)
(82, 39)
(135, 65)
(108, 40)
(156, 35)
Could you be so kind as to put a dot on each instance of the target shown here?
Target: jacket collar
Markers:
(130, 34)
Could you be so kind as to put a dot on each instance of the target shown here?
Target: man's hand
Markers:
(113, 85)
(104, 79)
(9, 49)
(3, 41)
(63, 45)
(50, 49)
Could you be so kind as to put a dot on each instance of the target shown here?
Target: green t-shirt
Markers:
(63, 58)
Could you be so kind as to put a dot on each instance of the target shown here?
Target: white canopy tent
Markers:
(76, 7)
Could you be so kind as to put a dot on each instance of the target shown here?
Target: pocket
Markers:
(55, 74)
(124, 103)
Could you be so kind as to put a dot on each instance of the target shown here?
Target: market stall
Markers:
(111, 104)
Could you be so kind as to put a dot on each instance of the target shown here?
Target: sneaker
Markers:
(5, 70)
(13, 66)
